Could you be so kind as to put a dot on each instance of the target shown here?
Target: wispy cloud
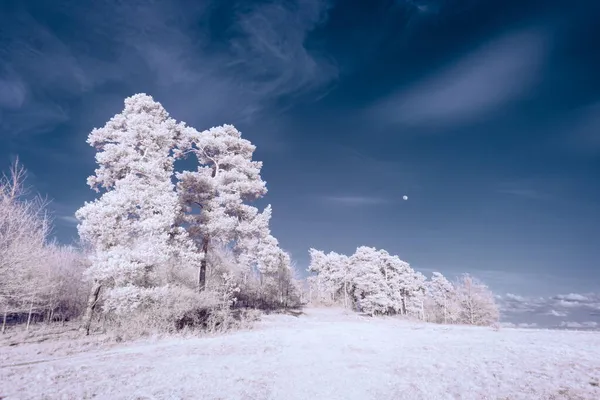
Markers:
(523, 192)
(580, 132)
(522, 188)
(271, 47)
(355, 200)
(555, 313)
(68, 219)
(473, 88)
(165, 49)
(12, 93)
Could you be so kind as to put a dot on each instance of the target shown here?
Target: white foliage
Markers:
(226, 177)
(377, 282)
(24, 229)
(477, 304)
(370, 288)
(131, 227)
(441, 300)
(334, 275)
(380, 283)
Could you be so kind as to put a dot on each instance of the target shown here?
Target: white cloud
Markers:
(527, 325)
(515, 297)
(575, 297)
(519, 325)
(471, 89)
(555, 313)
(543, 310)
(579, 325)
(569, 304)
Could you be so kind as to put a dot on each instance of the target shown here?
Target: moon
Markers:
(405, 197)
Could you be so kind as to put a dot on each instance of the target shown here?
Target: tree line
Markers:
(377, 283)
(164, 248)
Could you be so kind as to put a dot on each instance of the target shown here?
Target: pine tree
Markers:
(131, 227)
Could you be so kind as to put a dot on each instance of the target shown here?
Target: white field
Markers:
(325, 354)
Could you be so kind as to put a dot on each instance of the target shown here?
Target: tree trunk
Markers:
(91, 305)
(403, 304)
(445, 311)
(30, 311)
(202, 270)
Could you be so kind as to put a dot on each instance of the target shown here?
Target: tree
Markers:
(214, 196)
(334, 271)
(441, 295)
(132, 226)
(24, 229)
(402, 280)
(477, 304)
(370, 288)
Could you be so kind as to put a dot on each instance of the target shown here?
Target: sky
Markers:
(486, 114)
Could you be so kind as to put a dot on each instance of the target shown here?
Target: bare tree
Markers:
(24, 228)
(477, 305)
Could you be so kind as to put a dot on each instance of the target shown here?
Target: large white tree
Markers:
(132, 226)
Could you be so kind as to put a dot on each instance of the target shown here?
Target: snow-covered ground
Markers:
(324, 354)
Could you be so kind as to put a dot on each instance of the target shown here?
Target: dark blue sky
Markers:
(485, 113)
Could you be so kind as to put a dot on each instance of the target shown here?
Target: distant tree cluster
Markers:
(39, 279)
(377, 283)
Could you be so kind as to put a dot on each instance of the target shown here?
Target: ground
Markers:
(323, 354)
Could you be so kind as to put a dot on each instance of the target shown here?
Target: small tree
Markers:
(441, 304)
(477, 304)
(24, 229)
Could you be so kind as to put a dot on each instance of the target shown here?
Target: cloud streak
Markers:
(473, 88)
(355, 201)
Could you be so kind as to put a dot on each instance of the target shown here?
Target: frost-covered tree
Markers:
(413, 294)
(380, 283)
(63, 296)
(441, 305)
(24, 229)
(132, 226)
(371, 280)
(370, 289)
(476, 301)
(215, 196)
(334, 272)
(405, 285)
